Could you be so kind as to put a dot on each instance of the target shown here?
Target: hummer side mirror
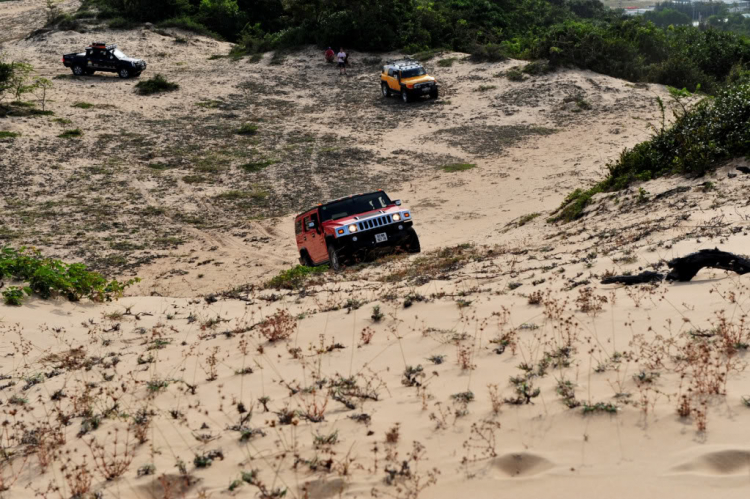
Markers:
(397, 202)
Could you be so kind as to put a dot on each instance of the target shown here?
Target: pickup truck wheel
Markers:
(78, 70)
(434, 93)
(333, 258)
(124, 73)
(404, 95)
(412, 241)
(385, 90)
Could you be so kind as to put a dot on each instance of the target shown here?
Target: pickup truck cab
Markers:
(102, 57)
(407, 78)
(351, 227)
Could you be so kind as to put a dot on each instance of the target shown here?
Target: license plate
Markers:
(381, 238)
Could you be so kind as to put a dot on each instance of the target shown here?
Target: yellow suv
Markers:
(407, 78)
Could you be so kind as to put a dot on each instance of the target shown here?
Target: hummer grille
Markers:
(372, 223)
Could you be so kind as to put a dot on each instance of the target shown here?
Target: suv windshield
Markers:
(411, 73)
(119, 54)
(354, 206)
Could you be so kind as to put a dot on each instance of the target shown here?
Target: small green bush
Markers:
(71, 134)
(490, 52)
(8, 135)
(515, 74)
(83, 105)
(13, 295)
(447, 62)
(155, 85)
(294, 278)
(457, 167)
(247, 129)
(47, 277)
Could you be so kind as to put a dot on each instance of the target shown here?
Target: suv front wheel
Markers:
(404, 95)
(385, 90)
(334, 260)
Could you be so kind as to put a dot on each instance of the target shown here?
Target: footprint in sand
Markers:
(717, 463)
(522, 464)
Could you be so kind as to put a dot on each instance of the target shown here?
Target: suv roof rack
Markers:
(102, 45)
(407, 61)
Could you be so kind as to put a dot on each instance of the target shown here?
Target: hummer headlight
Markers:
(396, 217)
(352, 229)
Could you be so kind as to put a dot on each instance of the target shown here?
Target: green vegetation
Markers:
(294, 278)
(71, 134)
(155, 85)
(713, 130)
(247, 129)
(447, 62)
(83, 105)
(457, 167)
(8, 135)
(256, 166)
(583, 33)
(46, 277)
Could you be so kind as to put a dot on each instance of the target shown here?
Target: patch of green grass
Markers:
(62, 121)
(8, 135)
(278, 58)
(447, 62)
(515, 74)
(247, 129)
(485, 88)
(83, 105)
(208, 104)
(195, 179)
(71, 134)
(537, 68)
(256, 166)
(294, 278)
(457, 167)
(217, 56)
(426, 55)
(154, 85)
(256, 58)
(527, 218)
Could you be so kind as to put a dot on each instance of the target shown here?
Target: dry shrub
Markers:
(481, 442)
(392, 436)
(279, 326)
(590, 303)
(463, 357)
(366, 336)
(116, 462)
(495, 399)
(536, 298)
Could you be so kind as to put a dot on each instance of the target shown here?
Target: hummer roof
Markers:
(351, 196)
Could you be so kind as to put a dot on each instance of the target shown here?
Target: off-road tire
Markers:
(334, 259)
(434, 93)
(411, 245)
(78, 70)
(305, 260)
(123, 73)
(405, 96)
(384, 90)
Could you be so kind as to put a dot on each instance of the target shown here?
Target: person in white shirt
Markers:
(342, 60)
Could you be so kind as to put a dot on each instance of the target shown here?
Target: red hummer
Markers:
(349, 228)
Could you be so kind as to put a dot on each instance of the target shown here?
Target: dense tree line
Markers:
(662, 47)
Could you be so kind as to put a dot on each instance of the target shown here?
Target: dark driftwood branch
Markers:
(642, 278)
(685, 268)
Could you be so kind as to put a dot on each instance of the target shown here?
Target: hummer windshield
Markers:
(411, 73)
(354, 206)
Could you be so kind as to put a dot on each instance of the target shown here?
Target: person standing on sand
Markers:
(329, 55)
(342, 60)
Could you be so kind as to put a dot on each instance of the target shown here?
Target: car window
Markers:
(390, 72)
(354, 206)
(410, 73)
(119, 54)
(304, 224)
(298, 226)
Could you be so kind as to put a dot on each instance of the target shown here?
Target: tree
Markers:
(41, 85)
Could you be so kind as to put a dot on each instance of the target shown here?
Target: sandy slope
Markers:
(524, 298)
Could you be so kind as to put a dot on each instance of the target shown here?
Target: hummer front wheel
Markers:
(334, 259)
(412, 241)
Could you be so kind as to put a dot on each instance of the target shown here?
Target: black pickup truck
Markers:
(103, 57)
